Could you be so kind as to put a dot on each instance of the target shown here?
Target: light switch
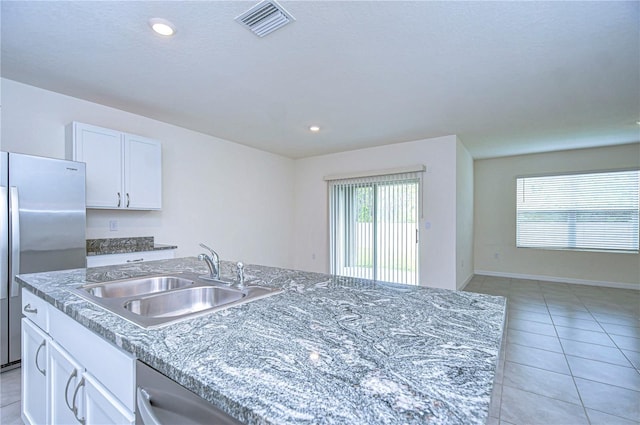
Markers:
(113, 225)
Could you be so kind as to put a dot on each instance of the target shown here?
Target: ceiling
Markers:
(506, 77)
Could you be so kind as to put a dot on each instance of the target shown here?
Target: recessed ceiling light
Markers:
(314, 128)
(162, 26)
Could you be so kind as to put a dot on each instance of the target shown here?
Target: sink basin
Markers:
(184, 301)
(136, 286)
(156, 301)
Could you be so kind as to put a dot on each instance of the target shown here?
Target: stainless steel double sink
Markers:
(155, 301)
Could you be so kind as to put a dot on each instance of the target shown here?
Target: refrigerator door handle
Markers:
(4, 243)
(14, 224)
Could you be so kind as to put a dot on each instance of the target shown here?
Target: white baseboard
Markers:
(621, 285)
(465, 283)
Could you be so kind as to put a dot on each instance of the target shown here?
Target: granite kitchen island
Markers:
(327, 349)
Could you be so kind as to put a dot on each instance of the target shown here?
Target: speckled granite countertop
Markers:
(328, 350)
(124, 245)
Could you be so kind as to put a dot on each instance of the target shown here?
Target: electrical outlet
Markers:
(113, 225)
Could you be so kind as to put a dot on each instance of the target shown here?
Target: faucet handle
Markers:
(205, 247)
(240, 273)
(213, 253)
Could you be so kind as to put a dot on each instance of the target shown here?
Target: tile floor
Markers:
(571, 353)
(571, 356)
(10, 397)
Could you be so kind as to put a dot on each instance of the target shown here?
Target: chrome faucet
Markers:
(212, 261)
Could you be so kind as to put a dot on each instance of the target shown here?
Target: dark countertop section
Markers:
(124, 245)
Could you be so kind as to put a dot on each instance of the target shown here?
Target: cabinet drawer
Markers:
(35, 309)
(128, 258)
(114, 368)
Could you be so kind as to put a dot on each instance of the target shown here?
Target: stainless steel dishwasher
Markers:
(162, 401)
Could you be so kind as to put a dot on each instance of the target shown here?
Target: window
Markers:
(374, 227)
(595, 211)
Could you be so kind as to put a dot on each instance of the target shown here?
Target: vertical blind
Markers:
(374, 227)
(594, 211)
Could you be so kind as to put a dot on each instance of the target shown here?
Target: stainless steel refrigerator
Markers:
(42, 222)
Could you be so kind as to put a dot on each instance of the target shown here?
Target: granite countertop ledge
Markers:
(328, 350)
(124, 245)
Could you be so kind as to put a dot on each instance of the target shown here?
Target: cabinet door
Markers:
(101, 407)
(143, 173)
(64, 376)
(35, 391)
(101, 149)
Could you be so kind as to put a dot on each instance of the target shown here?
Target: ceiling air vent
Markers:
(265, 17)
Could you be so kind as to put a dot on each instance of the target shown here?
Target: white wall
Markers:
(237, 199)
(437, 244)
(495, 220)
(464, 215)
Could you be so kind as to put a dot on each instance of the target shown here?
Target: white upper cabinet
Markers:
(101, 150)
(143, 172)
(124, 171)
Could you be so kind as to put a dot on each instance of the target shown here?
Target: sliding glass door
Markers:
(374, 227)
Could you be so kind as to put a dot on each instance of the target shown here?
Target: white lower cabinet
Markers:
(79, 398)
(65, 376)
(72, 376)
(101, 406)
(35, 391)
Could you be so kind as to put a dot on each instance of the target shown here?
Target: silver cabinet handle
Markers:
(42, 371)
(73, 402)
(145, 409)
(66, 388)
(14, 227)
(28, 309)
(128, 200)
(119, 200)
(137, 260)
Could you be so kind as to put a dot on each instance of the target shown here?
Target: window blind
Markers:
(373, 227)
(592, 211)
